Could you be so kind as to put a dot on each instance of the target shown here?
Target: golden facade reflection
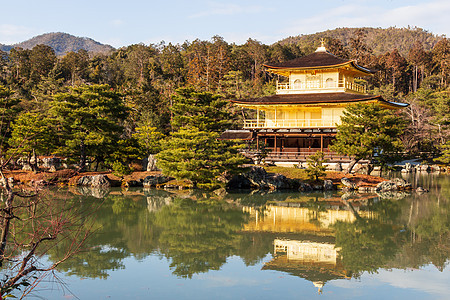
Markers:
(297, 219)
(314, 258)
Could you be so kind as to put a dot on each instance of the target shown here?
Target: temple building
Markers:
(301, 118)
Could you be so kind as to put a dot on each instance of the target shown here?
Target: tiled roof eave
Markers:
(350, 62)
(278, 100)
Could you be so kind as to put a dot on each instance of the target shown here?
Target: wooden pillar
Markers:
(275, 143)
(321, 142)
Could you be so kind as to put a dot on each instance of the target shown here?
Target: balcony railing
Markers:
(289, 123)
(314, 86)
(299, 156)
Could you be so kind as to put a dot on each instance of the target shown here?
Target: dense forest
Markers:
(111, 108)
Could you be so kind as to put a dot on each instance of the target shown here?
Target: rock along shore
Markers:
(256, 178)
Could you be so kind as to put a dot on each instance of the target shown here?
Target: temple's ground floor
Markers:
(290, 145)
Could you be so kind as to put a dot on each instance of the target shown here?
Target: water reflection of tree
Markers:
(430, 237)
(254, 246)
(315, 207)
(402, 234)
(198, 237)
(370, 242)
(121, 230)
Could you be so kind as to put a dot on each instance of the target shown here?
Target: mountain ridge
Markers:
(62, 43)
(380, 40)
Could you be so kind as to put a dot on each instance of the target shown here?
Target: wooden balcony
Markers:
(289, 123)
(318, 86)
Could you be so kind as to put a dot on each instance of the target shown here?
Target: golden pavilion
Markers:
(301, 118)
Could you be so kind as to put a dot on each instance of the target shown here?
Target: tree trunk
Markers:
(370, 168)
(353, 162)
(82, 156)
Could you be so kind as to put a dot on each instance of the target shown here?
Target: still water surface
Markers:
(160, 245)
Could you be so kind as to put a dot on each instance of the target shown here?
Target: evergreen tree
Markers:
(194, 152)
(203, 110)
(199, 157)
(149, 139)
(90, 119)
(315, 168)
(32, 134)
(9, 108)
(445, 154)
(366, 131)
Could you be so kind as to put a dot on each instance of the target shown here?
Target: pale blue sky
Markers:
(126, 22)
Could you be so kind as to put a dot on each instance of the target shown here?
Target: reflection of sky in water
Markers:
(152, 279)
(426, 283)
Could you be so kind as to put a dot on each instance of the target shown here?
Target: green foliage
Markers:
(89, 117)
(148, 139)
(30, 131)
(120, 169)
(9, 108)
(202, 110)
(445, 154)
(367, 130)
(315, 168)
(148, 77)
(125, 151)
(194, 151)
(366, 245)
(198, 156)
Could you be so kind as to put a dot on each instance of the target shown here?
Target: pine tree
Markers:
(90, 118)
(445, 154)
(203, 110)
(199, 157)
(194, 152)
(9, 108)
(32, 133)
(366, 131)
(316, 167)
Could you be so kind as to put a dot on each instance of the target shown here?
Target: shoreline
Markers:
(68, 177)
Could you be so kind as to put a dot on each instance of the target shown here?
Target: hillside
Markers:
(5, 47)
(379, 39)
(62, 43)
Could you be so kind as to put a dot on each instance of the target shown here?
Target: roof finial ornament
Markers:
(322, 46)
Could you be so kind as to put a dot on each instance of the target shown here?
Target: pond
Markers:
(152, 244)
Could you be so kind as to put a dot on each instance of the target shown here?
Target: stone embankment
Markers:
(258, 178)
(410, 168)
(395, 184)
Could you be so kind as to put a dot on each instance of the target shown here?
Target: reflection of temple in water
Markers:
(305, 243)
(298, 219)
(316, 262)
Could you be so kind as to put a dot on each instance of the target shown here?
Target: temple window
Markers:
(330, 83)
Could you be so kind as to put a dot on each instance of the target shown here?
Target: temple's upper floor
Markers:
(319, 72)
